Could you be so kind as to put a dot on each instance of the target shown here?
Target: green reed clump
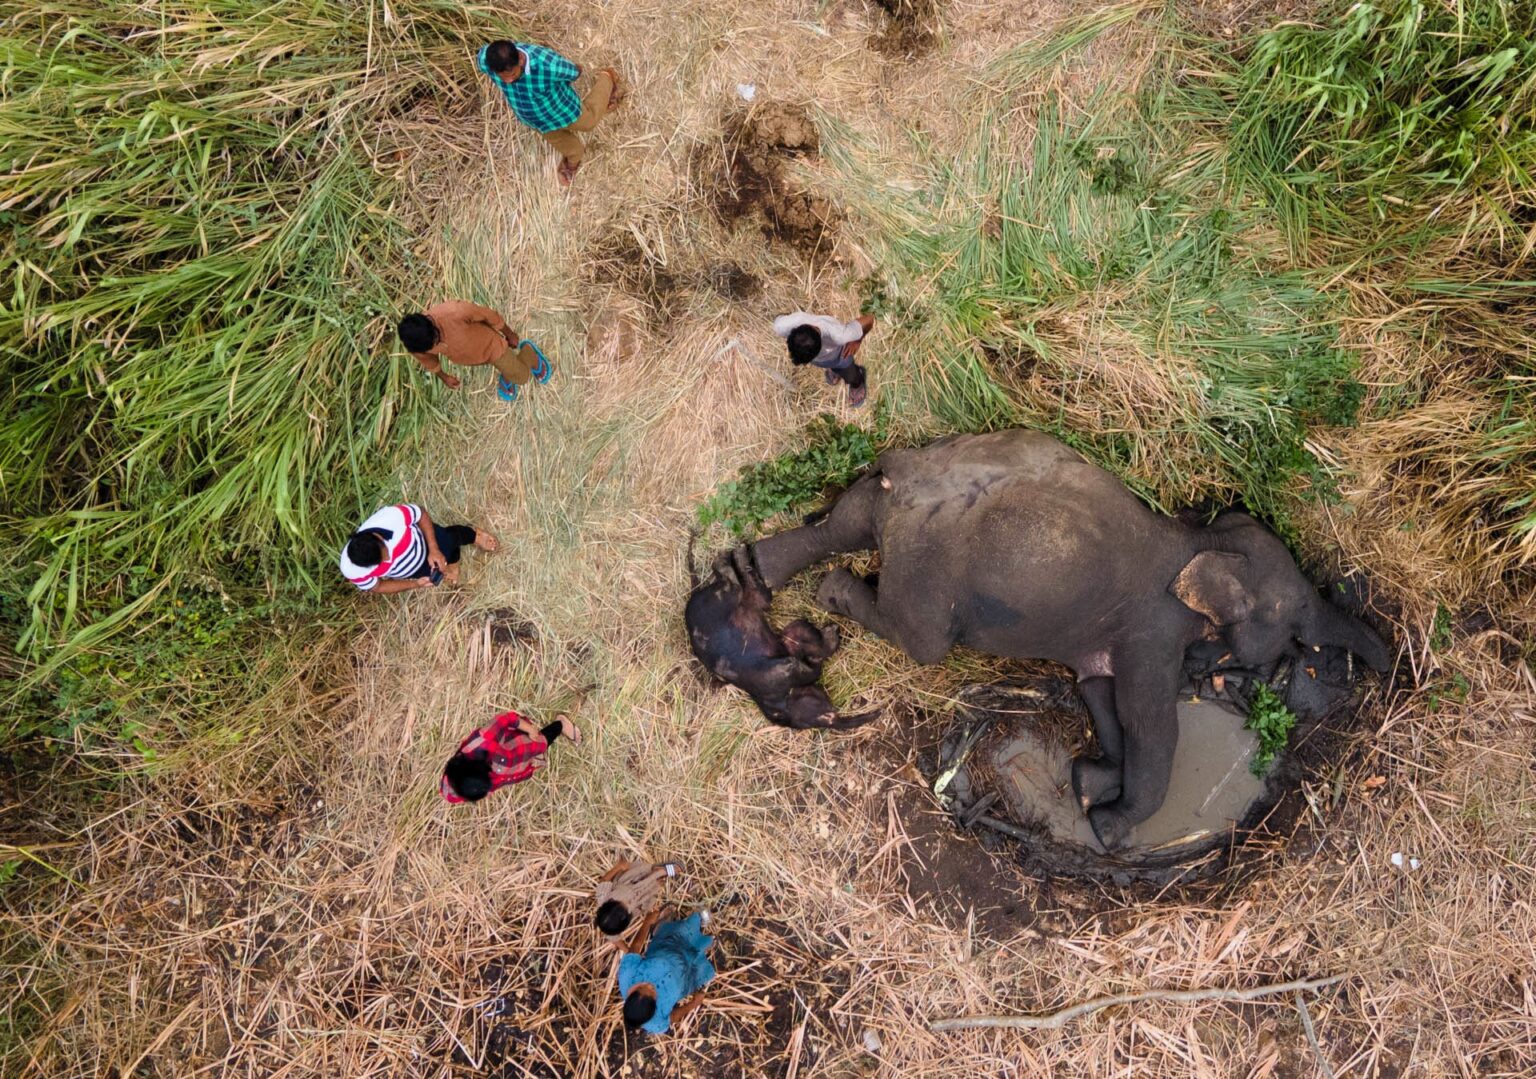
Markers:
(203, 257)
(1101, 216)
(1401, 112)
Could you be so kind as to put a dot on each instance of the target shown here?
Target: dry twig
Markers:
(1061, 1018)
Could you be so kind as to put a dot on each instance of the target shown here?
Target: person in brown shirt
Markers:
(471, 335)
(628, 893)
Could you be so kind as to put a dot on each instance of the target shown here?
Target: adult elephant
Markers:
(1015, 545)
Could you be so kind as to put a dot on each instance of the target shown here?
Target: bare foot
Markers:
(567, 173)
(569, 729)
(451, 574)
(485, 541)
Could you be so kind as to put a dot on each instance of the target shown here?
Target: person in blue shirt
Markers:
(536, 82)
(656, 978)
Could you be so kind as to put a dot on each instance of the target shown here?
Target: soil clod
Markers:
(911, 27)
(745, 176)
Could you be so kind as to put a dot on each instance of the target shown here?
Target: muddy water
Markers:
(1211, 788)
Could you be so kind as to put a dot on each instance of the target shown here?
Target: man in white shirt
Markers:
(401, 548)
(826, 342)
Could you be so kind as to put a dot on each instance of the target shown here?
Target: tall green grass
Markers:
(203, 253)
(1203, 239)
(1387, 120)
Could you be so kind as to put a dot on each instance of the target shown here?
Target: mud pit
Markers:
(744, 176)
(1004, 768)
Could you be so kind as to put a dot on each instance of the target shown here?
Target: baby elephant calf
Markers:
(727, 618)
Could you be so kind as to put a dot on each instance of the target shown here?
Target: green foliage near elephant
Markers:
(1272, 721)
(204, 245)
(834, 454)
(1166, 281)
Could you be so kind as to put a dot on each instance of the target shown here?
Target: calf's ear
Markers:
(1211, 584)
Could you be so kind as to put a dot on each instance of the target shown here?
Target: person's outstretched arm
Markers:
(642, 936)
(613, 874)
(689, 1005)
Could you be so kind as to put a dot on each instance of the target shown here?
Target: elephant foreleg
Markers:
(1146, 703)
(1097, 780)
(848, 526)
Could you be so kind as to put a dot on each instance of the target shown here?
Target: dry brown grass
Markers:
(304, 904)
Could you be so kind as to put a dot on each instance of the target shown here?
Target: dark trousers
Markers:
(450, 541)
(853, 374)
(551, 732)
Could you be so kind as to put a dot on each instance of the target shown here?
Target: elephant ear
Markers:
(1211, 584)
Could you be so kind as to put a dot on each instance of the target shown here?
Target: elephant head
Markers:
(1247, 584)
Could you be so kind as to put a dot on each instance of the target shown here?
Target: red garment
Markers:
(511, 751)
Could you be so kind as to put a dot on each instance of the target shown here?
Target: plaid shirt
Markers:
(512, 753)
(542, 96)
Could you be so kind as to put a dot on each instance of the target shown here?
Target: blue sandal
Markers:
(542, 372)
(507, 391)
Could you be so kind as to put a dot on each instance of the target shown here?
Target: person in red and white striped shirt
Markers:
(400, 548)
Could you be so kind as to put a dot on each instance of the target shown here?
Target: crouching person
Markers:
(510, 750)
(400, 548)
(662, 981)
(627, 894)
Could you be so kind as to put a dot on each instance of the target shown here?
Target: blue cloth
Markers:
(542, 97)
(675, 963)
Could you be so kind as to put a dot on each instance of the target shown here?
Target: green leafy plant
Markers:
(1440, 631)
(834, 454)
(1271, 720)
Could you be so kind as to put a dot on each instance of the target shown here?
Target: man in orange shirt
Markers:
(471, 335)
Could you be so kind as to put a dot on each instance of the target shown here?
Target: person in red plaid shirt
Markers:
(510, 750)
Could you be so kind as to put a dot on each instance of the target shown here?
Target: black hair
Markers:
(501, 56)
(469, 775)
(804, 344)
(638, 1008)
(366, 548)
(612, 917)
(418, 333)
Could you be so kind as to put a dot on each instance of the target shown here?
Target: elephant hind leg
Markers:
(843, 593)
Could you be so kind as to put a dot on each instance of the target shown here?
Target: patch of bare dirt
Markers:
(662, 283)
(911, 27)
(617, 257)
(744, 176)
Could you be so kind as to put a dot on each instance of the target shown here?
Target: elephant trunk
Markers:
(848, 723)
(1327, 625)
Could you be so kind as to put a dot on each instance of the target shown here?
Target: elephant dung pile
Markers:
(1011, 771)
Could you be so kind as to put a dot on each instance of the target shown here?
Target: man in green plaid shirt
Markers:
(537, 84)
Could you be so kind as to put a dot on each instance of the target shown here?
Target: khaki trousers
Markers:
(594, 106)
(516, 364)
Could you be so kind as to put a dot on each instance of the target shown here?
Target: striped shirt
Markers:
(401, 531)
(542, 96)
